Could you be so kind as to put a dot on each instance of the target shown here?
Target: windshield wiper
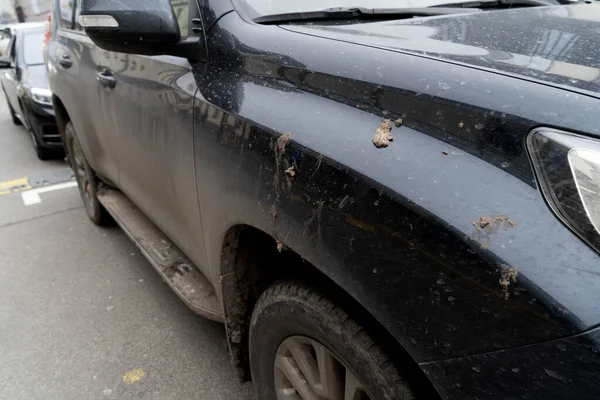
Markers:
(357, 13)
(496, 4)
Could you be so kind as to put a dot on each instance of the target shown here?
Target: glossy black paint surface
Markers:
(41, 120)
(560, 369)
(405, 212)
(151, 24)
(396, 228)
(551, 45)
(212, 11)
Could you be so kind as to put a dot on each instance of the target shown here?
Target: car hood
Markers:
(556, 45)
(35, 76)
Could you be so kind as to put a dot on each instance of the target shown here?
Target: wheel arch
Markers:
(252, 260)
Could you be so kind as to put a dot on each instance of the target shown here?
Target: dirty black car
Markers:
(27, 92)
(381, 203)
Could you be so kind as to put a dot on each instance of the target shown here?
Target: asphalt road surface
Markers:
(82, 314)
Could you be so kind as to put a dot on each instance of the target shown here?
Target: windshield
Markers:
(32, 47)
(270, 7)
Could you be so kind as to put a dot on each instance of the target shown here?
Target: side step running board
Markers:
(175, 268)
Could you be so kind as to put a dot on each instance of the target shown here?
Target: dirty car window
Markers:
(269, 7)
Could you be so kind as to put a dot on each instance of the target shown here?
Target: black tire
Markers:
(86, 179)
(13, 115)
(291, 311)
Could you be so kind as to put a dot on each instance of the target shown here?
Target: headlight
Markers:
(568, 169)
(41, 96)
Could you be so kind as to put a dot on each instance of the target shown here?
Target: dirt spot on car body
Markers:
(280, 148)
(314, 215)
(290, 173)
(383, 134)
(486, 227)
(282, 143)
(483, 222)
(508, 275)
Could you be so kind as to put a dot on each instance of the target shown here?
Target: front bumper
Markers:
(43, 125)
(560, 369)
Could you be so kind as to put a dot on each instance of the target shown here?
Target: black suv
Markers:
(386, 203)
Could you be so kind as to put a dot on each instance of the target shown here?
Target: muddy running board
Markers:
(175, 268)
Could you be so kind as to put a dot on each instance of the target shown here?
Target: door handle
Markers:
(65, 60)
(107, 79)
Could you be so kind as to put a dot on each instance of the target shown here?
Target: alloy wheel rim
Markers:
(307, 370)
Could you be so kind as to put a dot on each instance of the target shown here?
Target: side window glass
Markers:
(66, 13)
(182, 9)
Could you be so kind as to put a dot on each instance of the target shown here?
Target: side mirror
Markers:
(4, 62)
(147, 27)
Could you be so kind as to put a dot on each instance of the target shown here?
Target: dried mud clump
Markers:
(508, 276)
(383, 134)
(483, 222)
(487, 227)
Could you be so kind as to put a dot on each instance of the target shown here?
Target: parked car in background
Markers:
(24, 82)
(7, 33)
(390, 203)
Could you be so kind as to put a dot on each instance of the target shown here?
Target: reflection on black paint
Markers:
(437, 287)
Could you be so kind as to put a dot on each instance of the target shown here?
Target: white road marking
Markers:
(32, 197)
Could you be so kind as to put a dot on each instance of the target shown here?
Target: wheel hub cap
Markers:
(307, 370)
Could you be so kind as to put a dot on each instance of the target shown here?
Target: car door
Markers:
(10, 77)
(73, 64)
(148, 103)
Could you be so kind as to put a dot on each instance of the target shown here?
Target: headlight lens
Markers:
(568, 169)
(41, 96)
(585, 165)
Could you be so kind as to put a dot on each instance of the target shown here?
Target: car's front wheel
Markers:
(86, 179)
(303, 347)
